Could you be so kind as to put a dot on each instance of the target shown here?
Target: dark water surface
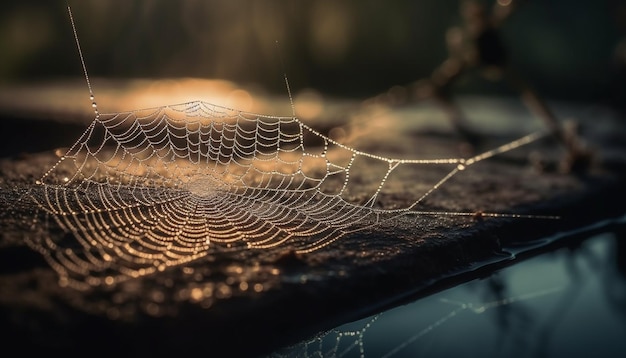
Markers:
(568, 302)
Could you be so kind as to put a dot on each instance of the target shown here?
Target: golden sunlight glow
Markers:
(66, 101)
(148, 94)
(309, 104)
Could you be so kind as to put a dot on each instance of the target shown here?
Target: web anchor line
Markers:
(92, 97)
(145, 190)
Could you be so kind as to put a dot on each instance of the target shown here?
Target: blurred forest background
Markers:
(573, 50)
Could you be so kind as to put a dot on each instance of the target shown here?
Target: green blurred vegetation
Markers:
(566, 49)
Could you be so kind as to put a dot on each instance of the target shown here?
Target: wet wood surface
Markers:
(249, 302)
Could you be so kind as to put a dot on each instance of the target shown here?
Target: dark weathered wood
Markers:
(300, 294)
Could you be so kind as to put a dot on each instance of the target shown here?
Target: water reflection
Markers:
(564, 303)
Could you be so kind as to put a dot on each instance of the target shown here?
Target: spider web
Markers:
(145, 190)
